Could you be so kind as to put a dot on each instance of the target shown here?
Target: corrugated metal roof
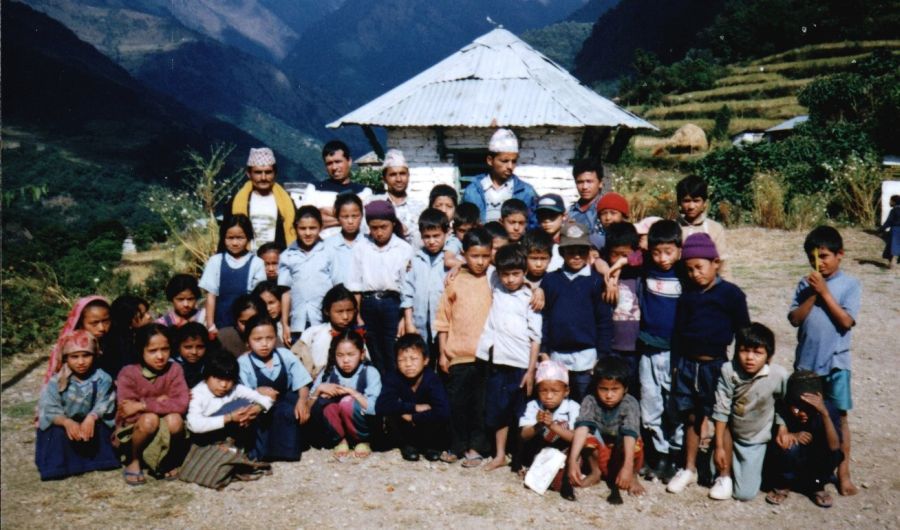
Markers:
(497, 80)
(789, 125)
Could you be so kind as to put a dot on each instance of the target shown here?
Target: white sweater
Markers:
(204, 403)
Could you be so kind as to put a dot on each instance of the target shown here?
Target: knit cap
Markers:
(394, 158)
(699, 245)
(613, 201)
(380, 211)
(503, 141)
(551, 371)
(260, 156)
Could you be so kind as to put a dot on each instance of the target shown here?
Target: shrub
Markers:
(807, 211)
(33, 304)
(857, 184)
(369, 176)
(648, 192)
(768, 201)
(722, 121)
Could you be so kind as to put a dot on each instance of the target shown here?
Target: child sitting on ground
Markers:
(514, 218)
(76, 412)
(339, 311)
(825, 306)
(548, 420)
(508, 348)
(424, 283)
(91, 314)
(745, 409)
(153, 397)
(460, 318)
(270, 253)
(191, 343)
(277, 374)
(345, 394)
(183, 292)
(708, 315)
(692, 195)
(807, 448)
(231, 338)
(414, 403)
(223, 408)
(607, 434)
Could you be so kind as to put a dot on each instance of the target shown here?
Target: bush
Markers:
(857, 184)
(768, 201)
(648, 192)
(807, 211)
(34, 304)
(722, 121)
(369, 176)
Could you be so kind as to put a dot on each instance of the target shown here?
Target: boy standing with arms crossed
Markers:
(824, 309)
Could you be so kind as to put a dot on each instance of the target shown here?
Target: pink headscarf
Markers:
(55, 362)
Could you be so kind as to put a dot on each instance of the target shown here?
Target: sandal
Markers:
(448, 457)
(470, 462)
(777, 496)
(137, 477)
(341, 450)
(362, 450)
(172, 474)
(822, 499)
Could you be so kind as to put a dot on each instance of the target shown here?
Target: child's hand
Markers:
(803, 437)
(543, 357)
(286, 336)
(87, 427)
(301, 411)
(130, 407)
(411, 326)
(545, 417)
(574, 472)
(451, 274)
(537, 299)
(73, 430)
(611, 292)
(268, 391)
(817, 282)
(528, 381)
(785, 439)
(721, 458)
(444, 361)
(163, 398)
(406, 417)
(816, 401)
(423, 407)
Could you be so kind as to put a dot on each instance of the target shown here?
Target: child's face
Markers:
(550, 221)
(95, 320)
(503, 164)
(618, 252)
(273, 304)
(396, 179)
(609, 216)
(411, 362)
(829, 262)
(80, 362)
(308, 230)
(444, 204)
(341, 314)
(588, 185)
(461, 230)
(262, 178)
(552, 393)
(381, 231)
(242, 319)
(271, 261)
(575, 257)
(141, 317)
(262, 340)
(496, 243)
(236, 241)
(433, 240)
(218, 386)
(185, 303)
(610, 392)
(538, 261)
(801, 411)
(347, 356)
(692, 207)
(752, 358)
(665, 255)
(478, 258)
(512, 279)
(350, 217)
(192, 349)
(702, 271)
(156, 352)
(515, 224)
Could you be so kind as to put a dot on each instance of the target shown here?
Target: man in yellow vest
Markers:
(267, 204)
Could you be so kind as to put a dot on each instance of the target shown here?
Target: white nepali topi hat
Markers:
(551, 371)
(503, 141)
(260, 156)
(394, 158)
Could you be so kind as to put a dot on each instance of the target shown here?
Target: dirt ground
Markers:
(384, 491)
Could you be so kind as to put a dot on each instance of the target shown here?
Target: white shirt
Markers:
(511, 327)
(495, 197)
(556, 259)
(567, 412)
(204, 404)
(264, 217)
(375, 268)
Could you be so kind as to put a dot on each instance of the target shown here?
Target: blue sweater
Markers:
(575, 317)
(397, 397)
(705, 321)
(658, 299)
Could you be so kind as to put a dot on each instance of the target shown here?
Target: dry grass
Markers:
(743, 79)
(767, 89)
(829, 49)
(803, 68)
(768, 201)
(736, 124)
(783, 107)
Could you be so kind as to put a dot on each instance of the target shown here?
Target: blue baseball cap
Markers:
(552, 202)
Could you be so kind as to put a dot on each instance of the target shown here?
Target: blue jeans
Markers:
(382, 316)
(656, 385)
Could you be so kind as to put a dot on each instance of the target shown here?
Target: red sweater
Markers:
(131, 384)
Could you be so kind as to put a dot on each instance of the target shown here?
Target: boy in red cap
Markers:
(611, 208)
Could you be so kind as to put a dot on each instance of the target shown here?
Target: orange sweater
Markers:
(462, 314)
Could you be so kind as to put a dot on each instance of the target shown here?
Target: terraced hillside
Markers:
(763, 92)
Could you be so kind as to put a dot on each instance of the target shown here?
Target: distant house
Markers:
(784, 129)
(747, 137)
(443, 117)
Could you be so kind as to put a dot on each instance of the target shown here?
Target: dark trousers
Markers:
(381, 315)
(803, 468)
(422, 436)
(465, 388)
(579, 385)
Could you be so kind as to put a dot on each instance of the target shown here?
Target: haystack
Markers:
(688, 139)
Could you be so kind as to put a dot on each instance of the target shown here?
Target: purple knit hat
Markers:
(380, 210)
(699, 245)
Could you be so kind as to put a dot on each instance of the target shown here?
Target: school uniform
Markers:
(377, 273)
(343, 417)
(227, 278)
(422, 290)
(308, 274)
(278, 433)
(427, 430)
(193, 372)
(55, 455)
(341, 256)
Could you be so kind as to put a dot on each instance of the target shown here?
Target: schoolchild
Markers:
(127, 313)
(465, 218)
(424, 283)
(231, 338)
(551, 216)
(692, 194)
(183, 292)
(190, 346)
(444, 198)
(549, 418)
(348, 208)
(270, 253)
(611, 208)
(621, 245)
(91, 314)
(339, 312)
(514, 218)
(539, 247)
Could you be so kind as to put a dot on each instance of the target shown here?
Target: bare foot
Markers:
(590, 480)
(495, 463)
(636, 489)
(847, 488)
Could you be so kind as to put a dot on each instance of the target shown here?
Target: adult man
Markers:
(337, 160)
(266, 203)
(489, 191)
(395, 174)
(588, 176)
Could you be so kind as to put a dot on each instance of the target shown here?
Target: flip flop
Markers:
(139, 475)
(171, 475)
(777, 496)
(822, 499)
(341, 450)
(362, 450)
(448, 458)
(470, 462)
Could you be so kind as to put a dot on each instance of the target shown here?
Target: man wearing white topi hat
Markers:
(490, 190)
(266, 203)
(395, 174)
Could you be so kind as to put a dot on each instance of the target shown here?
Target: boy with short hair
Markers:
(549, 419)
(611, 208)
(414, 402)
(744, 413)
(508, 347)
(825, 306)
(424, 283)
(588, 175)
(706, 319)
(622, 293)
(514, 218)
(577, 324)
(608, 430)
(538, 248)
(465, 218)
(551, 216)
(460, 318)
(807, 448)
(692, 195)
(499, 237)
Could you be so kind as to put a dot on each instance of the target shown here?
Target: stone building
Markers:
(443, 117)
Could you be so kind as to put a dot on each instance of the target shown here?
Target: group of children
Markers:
(493, 333)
